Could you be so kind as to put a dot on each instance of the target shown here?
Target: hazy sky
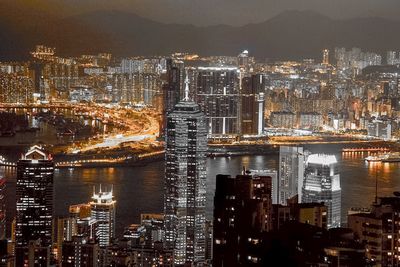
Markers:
(234, 12)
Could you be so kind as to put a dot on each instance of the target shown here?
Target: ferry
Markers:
(391, 157)
(387, 157)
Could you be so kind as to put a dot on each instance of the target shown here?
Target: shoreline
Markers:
(232, 150)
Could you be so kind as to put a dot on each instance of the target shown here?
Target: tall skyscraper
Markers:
(185, 182)
(322, 184)
(325, 57)
(252, 105)
(391, 58)
(34, 200)
(291, 174)
(103, 215)
(217, 93)
(171, 89)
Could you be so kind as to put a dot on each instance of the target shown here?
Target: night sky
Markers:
(210, 12)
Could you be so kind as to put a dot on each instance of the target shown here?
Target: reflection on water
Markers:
(140, 189)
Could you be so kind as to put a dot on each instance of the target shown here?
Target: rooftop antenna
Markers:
(186, 87)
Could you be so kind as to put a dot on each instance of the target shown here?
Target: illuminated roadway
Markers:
(130, 125)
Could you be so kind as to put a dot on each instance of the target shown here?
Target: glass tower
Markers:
(322, 184)
(185, 182)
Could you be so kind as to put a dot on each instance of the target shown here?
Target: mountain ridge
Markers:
(289, 35)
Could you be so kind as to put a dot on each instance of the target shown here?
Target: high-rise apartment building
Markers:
(34, 201)
(242, 214)
(103, 216)
(185, 182)
(322, 185)
(217, 93)
(80, 252)
(291, 174)
(379, 231)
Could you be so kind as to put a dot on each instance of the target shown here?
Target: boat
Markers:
(387, 157)
(374, 158)
(391, 157)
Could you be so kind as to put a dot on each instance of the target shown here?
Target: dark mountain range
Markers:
(290, 35)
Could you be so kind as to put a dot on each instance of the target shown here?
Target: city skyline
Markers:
(199, 133)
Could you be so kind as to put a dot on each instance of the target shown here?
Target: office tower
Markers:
(252, 105)
(217, 93)
(171, 89)
(322, 184)
(80, 251)
(325, 57)
(379, 231)
(291, 173)
(243, 59)
(242, 214)
(103, 216)
(34, 199)
(2, 208)
(185, 182)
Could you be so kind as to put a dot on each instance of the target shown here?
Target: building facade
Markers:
(252, 105)
(185, 182)
(218, 95)
(242, 213)
(103, 216)
(322, 184)
(34, 202)
(291, 174)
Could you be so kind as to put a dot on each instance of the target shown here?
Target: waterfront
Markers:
(140, 189)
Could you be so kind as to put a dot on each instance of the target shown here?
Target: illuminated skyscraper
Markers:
(34, 201)
(322, 184)
(217, 93)
(103, 215)
(325, 57)
(291, 173)
(252, 105)
(185, 182)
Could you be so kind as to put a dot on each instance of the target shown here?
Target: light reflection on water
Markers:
(140, 189)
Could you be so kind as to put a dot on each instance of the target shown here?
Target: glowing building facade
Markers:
(103, 216)
(291, 174)
(34, 201)
(322, 184)
(185, 183)
(34, 198)
(218, 95)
